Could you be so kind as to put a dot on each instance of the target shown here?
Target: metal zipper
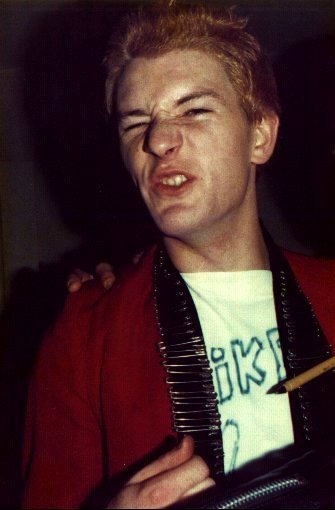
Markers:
(256, 496)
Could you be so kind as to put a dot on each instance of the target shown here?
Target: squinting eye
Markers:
(134, 126)
(196, 111)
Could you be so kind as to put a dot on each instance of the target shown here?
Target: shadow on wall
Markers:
(301, 177)
(77, 155)
(75, 148)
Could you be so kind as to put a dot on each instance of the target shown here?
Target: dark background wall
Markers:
(63, 196)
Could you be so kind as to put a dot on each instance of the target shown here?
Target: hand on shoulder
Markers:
(104, 273)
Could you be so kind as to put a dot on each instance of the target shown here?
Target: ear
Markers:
(265, 136)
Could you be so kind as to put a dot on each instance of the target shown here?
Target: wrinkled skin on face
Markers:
(188, 145)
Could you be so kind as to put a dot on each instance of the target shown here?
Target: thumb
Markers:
(175, 457)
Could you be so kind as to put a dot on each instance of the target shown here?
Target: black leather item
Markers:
(189, 379)
(303, 345)
(307, 481)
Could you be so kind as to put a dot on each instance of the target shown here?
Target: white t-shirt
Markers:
(238, 320)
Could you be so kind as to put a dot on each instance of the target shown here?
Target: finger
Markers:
(171, 486)
(106, 274)
(169, 460)
(76, 279)
(73, 284)
(202, 486)
(103, 267)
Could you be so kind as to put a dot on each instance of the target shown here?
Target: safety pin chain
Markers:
(189, 376)
(303, 342)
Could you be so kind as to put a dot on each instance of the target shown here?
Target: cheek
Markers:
(130, 160)
(203, 134)
(135, 164)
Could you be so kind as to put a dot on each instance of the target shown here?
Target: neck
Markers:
(236, 248)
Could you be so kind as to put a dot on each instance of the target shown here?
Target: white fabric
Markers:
(237, 316)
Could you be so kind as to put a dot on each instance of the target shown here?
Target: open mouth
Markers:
(175, 181)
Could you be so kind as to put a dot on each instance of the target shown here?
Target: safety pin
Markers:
(173, 370)
(193, 394)
(202, 364)
(185, 373)
(182, 354)
(212, 419)
(211, 413)
(183, 428)
(191, 341)
(203, 404)
(203, 378)
(186, 355)
(188, 349)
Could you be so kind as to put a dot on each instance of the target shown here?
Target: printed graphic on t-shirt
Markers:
(243, 361)
(238, 321)
(238, 369)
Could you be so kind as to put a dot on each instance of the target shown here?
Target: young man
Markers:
(197, 112)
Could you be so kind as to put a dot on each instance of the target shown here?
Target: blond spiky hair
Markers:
(162, 27)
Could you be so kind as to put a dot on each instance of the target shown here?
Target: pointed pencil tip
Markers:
(276, 389)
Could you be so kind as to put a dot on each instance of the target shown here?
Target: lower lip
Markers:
(172, 191)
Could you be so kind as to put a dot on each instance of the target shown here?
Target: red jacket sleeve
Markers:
(63, 448)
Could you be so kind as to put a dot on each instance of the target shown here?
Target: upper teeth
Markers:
(176, 180)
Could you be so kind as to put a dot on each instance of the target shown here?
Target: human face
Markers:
(186, 142)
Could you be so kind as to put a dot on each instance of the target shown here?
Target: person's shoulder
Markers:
(311, 267)
(133, 280)
(316, 277)
(91, 311)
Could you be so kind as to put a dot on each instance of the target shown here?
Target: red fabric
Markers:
(98, 390)
(317, 280)
(98, 378)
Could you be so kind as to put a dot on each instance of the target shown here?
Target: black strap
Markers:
(191, 389)
(304, 345)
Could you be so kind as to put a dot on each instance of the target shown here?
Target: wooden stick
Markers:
(301, 379)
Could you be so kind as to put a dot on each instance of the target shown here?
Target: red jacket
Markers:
(98, 401)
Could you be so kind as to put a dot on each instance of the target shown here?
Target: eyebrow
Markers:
(132, 113)
(138, 112)
(197, 95)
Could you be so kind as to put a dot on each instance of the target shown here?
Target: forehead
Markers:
(170, 76)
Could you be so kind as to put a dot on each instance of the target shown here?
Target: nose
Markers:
(163, 139)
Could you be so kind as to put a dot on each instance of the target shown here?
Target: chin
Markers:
(169, 227)
(180, 222)
(178, 229)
